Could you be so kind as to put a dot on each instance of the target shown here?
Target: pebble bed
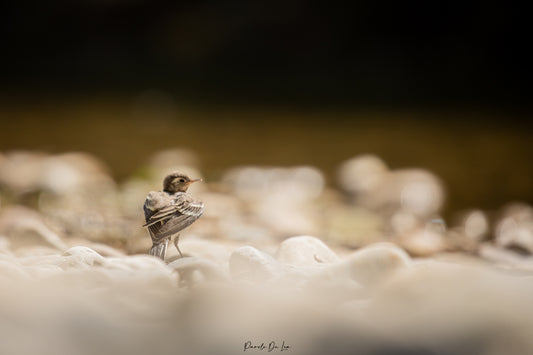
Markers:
(280, 262)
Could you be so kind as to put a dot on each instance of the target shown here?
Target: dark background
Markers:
(291, 52)
(444, 85)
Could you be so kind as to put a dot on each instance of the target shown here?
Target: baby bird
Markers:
(169, 211)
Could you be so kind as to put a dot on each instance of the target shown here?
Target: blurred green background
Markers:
(439, 85)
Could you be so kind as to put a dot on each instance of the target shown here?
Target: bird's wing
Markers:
(174, 217)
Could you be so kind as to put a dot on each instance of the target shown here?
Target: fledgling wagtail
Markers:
(169, 211)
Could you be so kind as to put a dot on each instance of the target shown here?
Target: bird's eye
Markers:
(182, 180)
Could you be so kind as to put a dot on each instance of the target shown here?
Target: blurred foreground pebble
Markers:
(372, 300)
(279, 259)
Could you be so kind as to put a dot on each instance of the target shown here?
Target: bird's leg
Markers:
(176, 239)
(159, 249)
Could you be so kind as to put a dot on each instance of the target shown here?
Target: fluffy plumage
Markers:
(170, 211)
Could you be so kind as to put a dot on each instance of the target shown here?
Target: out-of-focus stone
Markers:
(476, 225)
(372, 264)
(300, 183)
(21, 171)
(362, 174)
(514, 229)
(249, 264)
(74, 172)
(279, 198)
(152, 272)
(24, 227)
(371, 185)
(193, 271)
(27, 171)
(403, 222)
(81, 257)
(73, 191)
(470, 230)
(419, 191)
(102, 249)
(505, 258)
(426, 241)
(218, 251)
(305, 251)
(132, 196)
(423, 243)
(356, 275)
(518, 238)
(226, 215)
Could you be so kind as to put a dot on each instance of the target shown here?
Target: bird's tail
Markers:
(159, 249)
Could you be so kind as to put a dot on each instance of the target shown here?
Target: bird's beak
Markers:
(194, 180)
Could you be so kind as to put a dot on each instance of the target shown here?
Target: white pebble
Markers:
(373, 264)
(305, 251)
(248, 263)
(81, 258)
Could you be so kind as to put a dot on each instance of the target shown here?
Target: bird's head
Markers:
(177, 182)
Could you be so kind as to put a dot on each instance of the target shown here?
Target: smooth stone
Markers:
(418, 191)
(305, 251)
(372, 185)
(505, 257)
(81, 257)
(24, 227)
(30, 171)
(217, 251)
(248, 263)
(515, 235)
(280, 199)
(361, 173)
(137, 263)
(21, 171)
(476, 225)
(193, 271)
(101, 248)
(423, 242)
(372, 264)
(298, 183)
(152, 272)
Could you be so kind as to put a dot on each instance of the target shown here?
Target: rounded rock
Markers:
(248, 263)
(25, 228)
(361, 173)
(194, 270)
(81, 258)
(374, 263)
(305, 251)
